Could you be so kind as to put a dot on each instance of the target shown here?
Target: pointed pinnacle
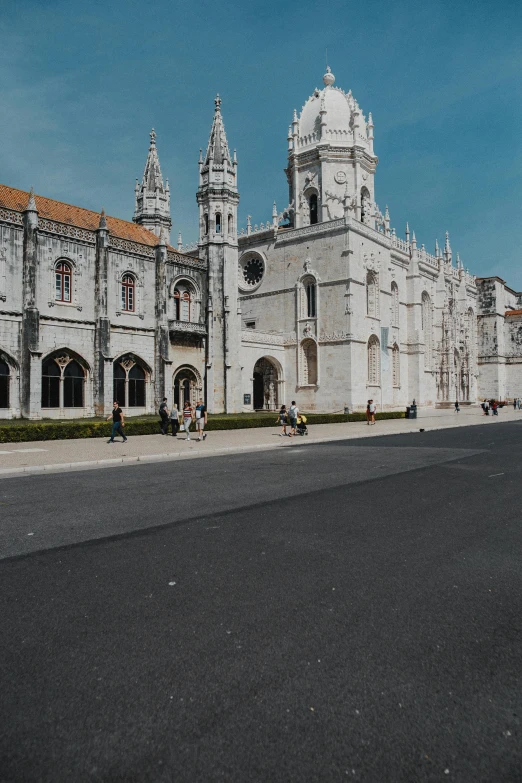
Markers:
(103, 219)
(31, 203)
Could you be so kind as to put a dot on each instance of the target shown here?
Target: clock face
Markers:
(253, 271)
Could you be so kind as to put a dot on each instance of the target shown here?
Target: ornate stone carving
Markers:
(131, 247)
(340, 177)
(62, 229)
(187, 326)
(10, 216)
(316, 228)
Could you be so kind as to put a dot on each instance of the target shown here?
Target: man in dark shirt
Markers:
(164, 414)
(117, 422)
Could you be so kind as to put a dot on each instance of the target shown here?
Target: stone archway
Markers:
(186, 384)
(265, 385)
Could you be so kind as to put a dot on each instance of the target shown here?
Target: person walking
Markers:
(372, 410)
(201, 420)
(293, 413)
(368, 416)
(486, 407)
(282, 419)
(494, 407)
(187, 418)
(514, 403)
(457, 409)
(174, 420)
(118, 421)
(164, 416)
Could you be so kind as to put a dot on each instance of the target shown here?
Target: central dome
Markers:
(330, 107)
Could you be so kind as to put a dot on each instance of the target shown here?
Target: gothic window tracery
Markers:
(63, 382)
(129, 382)
(374, 365)
(63, 281)
(185, 302)
(308, 298)
(365, 206)
(218, 222)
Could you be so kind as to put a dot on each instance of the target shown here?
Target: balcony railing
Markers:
(187, 327)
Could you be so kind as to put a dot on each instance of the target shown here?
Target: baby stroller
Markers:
(301, 429)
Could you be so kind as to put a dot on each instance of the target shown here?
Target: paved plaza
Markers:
(344, 610)
(64, 455)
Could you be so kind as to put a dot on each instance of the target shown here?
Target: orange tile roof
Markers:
(11, 198)
(513, 312)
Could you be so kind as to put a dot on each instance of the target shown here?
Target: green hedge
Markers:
(66, 430)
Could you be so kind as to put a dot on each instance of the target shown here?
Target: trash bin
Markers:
(408, 409)
(413, 412)
(347, 410)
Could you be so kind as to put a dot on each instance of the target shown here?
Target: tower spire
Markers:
(152, 208)
(217, 149)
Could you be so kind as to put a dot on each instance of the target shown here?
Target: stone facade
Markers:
(324, 303)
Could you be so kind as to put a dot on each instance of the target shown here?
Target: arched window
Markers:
(374, 361)
(395, 304)
(309, 359)
(365, 205)
(63, 382)
(128, 285)
(230, 225)
(63, 281)
(218, 222)
(426, 322)
(396, 365)
(4, 384)
(185, 302)
(313, 208)
(205, 218)
(372, 294)
(310, 291)
(129, 380)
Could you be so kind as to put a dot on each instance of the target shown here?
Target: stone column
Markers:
(31, 378)
(102, 328)
(161, 332)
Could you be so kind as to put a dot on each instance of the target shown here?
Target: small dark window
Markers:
(73, 383)
(230, 225)
(177, 305)
(206, 224)
(250, 324)
(4, 384)
(310, 300)
(50, 384)
(218, 222)
(136, 387)
(313, 208)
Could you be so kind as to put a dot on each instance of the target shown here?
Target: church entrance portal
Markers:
(265, 383)
(186, 386)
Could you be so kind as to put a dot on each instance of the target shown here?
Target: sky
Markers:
(83, 82)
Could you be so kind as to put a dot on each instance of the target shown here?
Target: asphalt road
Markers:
(333, 612)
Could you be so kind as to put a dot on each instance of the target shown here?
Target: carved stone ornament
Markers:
(307, 266)
(371, 263)
(62, 361)
(127, 364)
(340, 177)
(307, 331)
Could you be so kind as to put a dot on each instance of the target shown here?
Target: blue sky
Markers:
(82, 83)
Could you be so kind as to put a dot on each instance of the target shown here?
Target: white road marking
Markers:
(495, 474)
(27, 451)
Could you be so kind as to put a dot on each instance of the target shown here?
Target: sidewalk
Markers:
(56, 456)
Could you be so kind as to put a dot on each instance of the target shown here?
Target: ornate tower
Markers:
(218, 199)
(331, 162)
(152, 197)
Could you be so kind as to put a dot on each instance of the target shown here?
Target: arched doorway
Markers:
(186, 385)
(265, 383)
